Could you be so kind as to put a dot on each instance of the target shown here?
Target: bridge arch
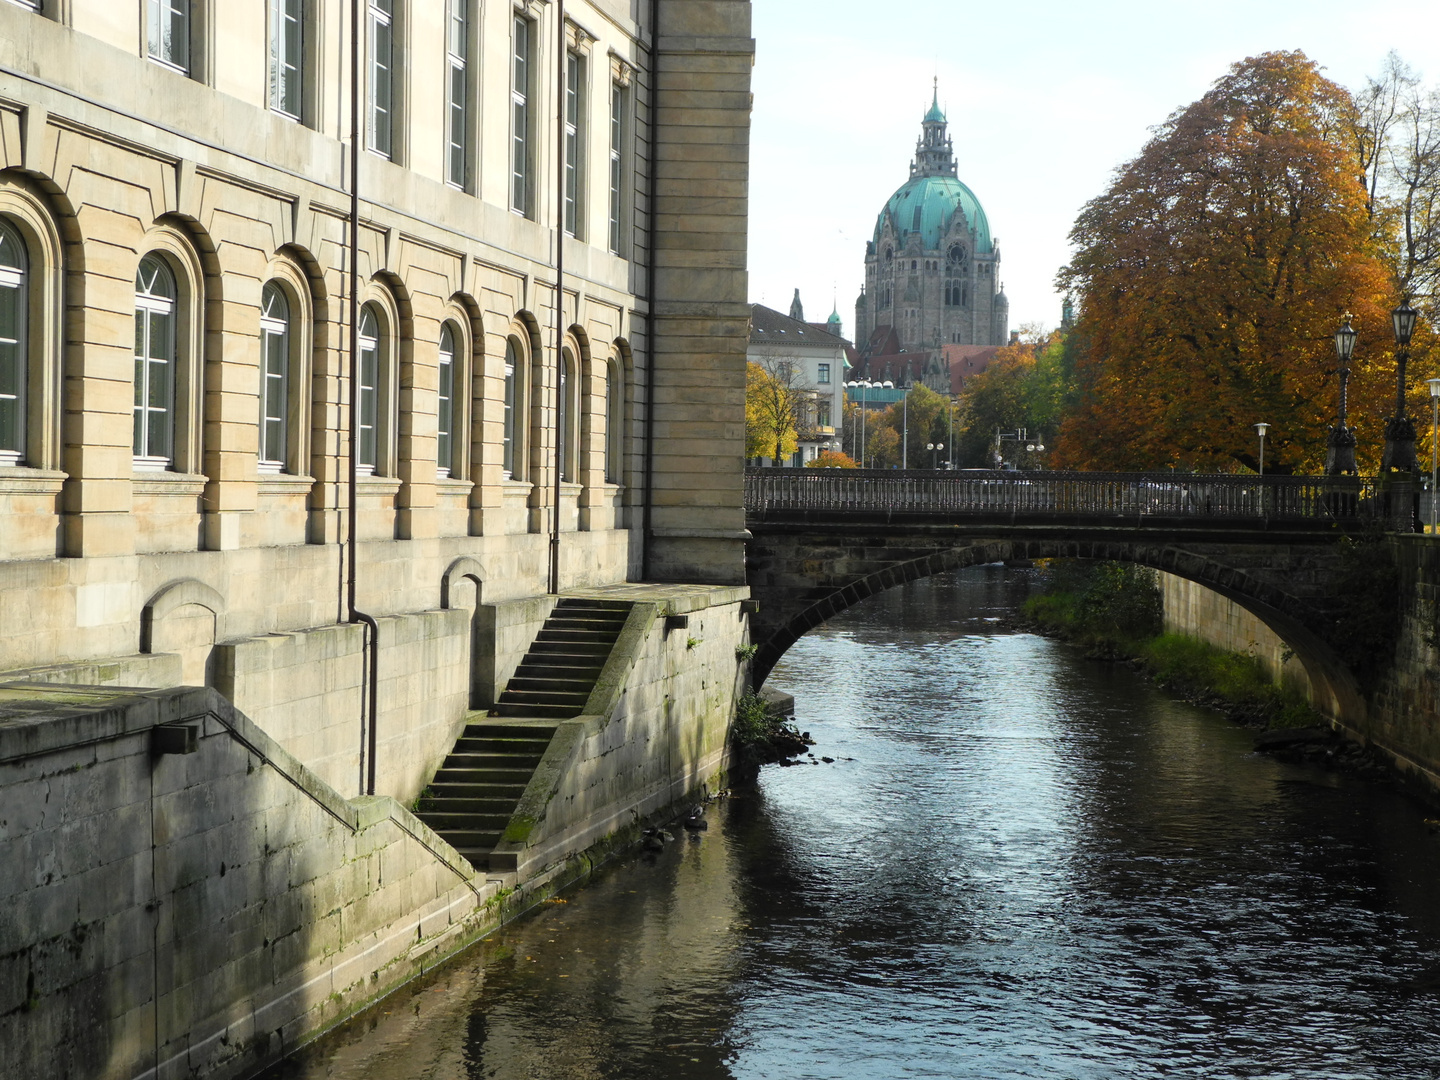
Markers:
(816, 586)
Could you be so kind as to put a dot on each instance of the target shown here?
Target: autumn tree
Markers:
(831, 459)
(1212, 275)
(771, 401)
(1026, 385)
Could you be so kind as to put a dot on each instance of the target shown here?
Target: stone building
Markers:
(932, 269)
(183, 275)
(809, 358)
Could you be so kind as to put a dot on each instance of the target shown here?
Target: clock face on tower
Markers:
(957, 253)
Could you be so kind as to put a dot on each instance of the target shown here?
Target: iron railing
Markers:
(1067, 494)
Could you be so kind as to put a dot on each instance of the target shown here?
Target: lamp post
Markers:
(1262, 428)
(1400, 429)
(905, 427)
(936, 447)
(1340, 452)
(862, 385)
(1434, 385)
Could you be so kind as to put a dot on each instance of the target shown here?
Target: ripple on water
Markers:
(1023, 864)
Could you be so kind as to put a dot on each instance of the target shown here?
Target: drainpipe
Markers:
(648, 534)
(561, 65)
(370, 710)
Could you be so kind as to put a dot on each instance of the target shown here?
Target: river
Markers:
(1021, 864)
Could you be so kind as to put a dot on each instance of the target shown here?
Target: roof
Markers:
(937, 198)
(770, 327)
(966, 361)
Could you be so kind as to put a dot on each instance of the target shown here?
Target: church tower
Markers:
(932, 269)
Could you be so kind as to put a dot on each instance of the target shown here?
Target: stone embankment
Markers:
(185, 896)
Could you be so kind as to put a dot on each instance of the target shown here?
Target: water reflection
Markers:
(1022, 864)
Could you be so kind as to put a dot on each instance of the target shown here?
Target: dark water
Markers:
(1023, 864)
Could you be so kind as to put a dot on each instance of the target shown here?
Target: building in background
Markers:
(932, 268)
(810, 360)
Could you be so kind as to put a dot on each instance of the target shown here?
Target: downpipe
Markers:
(647, 540)
(370, 707)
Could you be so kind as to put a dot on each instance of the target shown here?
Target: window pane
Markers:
(508, 428)
(457, 125)
(562, 417)
(446, 398)
(381, 81)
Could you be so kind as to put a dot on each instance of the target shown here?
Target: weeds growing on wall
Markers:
(1115, 611)
(761, 736)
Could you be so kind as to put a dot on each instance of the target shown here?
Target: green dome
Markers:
(937, 198)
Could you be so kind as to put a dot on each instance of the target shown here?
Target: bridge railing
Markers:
(1069, 494)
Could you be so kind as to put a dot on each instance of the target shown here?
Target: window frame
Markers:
(614, 421)
(279, 85)
(446, 427)
(619, 128)
(271, 330)
(567, 415)
(574, 143)
(155, 41)
(21, 276)
(380, 351)
(151, 305)
(380, 15)
(513, 428)
(522, 115)
(459, 105)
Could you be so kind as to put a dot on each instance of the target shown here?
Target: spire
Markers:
(934, 153)
(797, 311)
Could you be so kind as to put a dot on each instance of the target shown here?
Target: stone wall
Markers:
(1195, 611)
(202, 912)
(654, 731)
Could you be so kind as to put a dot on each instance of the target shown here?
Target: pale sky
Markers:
(1045, 99)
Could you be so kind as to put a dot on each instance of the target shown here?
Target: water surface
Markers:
(1021, 864)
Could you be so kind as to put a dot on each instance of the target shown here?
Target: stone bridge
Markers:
(823, 540)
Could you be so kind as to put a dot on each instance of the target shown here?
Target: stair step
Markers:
(545, 697)
(551, 682)
(443, 823)
(484, 744)
(594, 602)
(473, 780)
(556, 712)
(543, 648)
(489, 729)
(464, 809)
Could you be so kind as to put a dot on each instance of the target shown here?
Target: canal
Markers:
(1020, 864)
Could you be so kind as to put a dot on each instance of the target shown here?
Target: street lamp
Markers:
(1262, 428)
(905, 427)
(862, 385)
(936, 447)
(1434, 385)
(1400, 429)
(1340, 453)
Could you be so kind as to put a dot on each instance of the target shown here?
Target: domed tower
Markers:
(932, 269)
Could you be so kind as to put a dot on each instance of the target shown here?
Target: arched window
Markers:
(445, 404)
(274, 378)
(510, 456)
(565, 416)
(155, 359)
(14, 346)
(369, 395)
(614, 421)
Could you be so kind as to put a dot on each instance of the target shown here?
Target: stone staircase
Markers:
(475, 791)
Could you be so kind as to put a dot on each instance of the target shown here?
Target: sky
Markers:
(1045, 100)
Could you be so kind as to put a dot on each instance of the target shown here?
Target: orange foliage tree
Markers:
(1212, 275)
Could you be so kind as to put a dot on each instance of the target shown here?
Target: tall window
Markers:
(574, 142)
(614, 413)
(822, 414)
(617, 172)
(457, 54)
(154, 443)
(563, 413)
(445, 407)
(168, 32)
(512, 361)
(286, 42)
(369, 397)
(824, 373)
(381, 104)
(13, 346)
(274, 378)
(520, 119)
